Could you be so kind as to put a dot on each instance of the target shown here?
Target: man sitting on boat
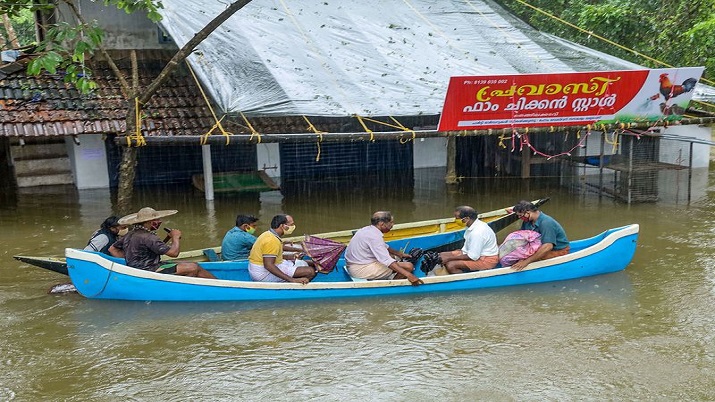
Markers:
(266, 262)
(369, 257)
(142, 248)
(554, 242)
(237, 242)
(106, 235)
(480, 250)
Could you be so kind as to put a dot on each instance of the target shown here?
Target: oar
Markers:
(167, 230)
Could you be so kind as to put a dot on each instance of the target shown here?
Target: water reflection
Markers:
(619, 336)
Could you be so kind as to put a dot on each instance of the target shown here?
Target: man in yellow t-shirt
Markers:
(266, 262)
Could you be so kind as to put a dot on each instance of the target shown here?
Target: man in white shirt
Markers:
(480, 249)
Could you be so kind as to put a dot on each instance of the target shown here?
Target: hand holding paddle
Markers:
(173, 234)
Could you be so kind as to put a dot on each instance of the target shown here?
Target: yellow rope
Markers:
(506, 33)
(399, 125)
(501, 141)
(138, 137)
(590, 33)
(250, 127)
(320, 136)
(205, 137)
(381, 122)
(613, 141)
(367, 130)
(396, 125)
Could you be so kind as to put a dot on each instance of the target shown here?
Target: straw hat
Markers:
(145, 214)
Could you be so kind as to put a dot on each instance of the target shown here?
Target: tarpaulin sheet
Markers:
(370, 57)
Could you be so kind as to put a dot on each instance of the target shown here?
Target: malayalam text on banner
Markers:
(567, 99)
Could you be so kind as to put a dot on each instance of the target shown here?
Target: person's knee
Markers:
(189, 268)
(309, 272)
(452, 268)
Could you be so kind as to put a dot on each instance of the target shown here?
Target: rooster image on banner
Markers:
(670, 90)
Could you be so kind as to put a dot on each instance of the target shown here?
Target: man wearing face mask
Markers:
(266, 262)
(554, 242)
(369, 257)
(142, 248)
(480, 250)
(237, 243)
(106, 235)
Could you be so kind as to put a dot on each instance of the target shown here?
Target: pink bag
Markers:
(518, 245)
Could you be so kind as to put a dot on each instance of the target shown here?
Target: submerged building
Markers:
(367, 75)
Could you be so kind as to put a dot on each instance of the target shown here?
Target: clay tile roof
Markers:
(47, 106)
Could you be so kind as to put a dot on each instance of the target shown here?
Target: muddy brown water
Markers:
(645, 333)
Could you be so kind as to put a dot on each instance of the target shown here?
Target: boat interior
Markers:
(238, 270)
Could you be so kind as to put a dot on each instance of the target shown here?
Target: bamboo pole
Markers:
(403, 136)
(451, 176)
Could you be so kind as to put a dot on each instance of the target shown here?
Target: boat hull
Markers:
(96, 276)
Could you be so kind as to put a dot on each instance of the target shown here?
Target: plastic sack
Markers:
(518, 245)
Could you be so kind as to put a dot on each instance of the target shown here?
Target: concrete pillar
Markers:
(429, 152)
(268, 158)
(526, 162)
(88, 160)
(208, 172)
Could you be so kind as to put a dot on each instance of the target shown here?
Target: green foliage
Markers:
(701, 41)
(678, 33)
(65, 49)
(131, 6)
(24, 25)
(15, 8)
(66, 46)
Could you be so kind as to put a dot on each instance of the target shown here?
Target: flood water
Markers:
(646, 333)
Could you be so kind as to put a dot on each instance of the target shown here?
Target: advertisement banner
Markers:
(567, 99)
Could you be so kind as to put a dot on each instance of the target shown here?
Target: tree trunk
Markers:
(127, 167)
(2, 42)
(189, 47)
(129, 159)
(11, 35)
(127, 172)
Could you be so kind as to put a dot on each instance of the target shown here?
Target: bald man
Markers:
(369, 257)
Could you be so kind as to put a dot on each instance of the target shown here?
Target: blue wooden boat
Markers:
(101, 277)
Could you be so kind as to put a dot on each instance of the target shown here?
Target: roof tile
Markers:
(48, 106)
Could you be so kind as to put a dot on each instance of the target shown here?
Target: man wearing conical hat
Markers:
(142, 248)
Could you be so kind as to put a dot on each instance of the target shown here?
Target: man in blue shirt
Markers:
(553, 237)
(238, 241)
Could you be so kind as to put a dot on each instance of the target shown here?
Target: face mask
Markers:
(123, 232)
(155, 225)
(289, 229)
(251, 230)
